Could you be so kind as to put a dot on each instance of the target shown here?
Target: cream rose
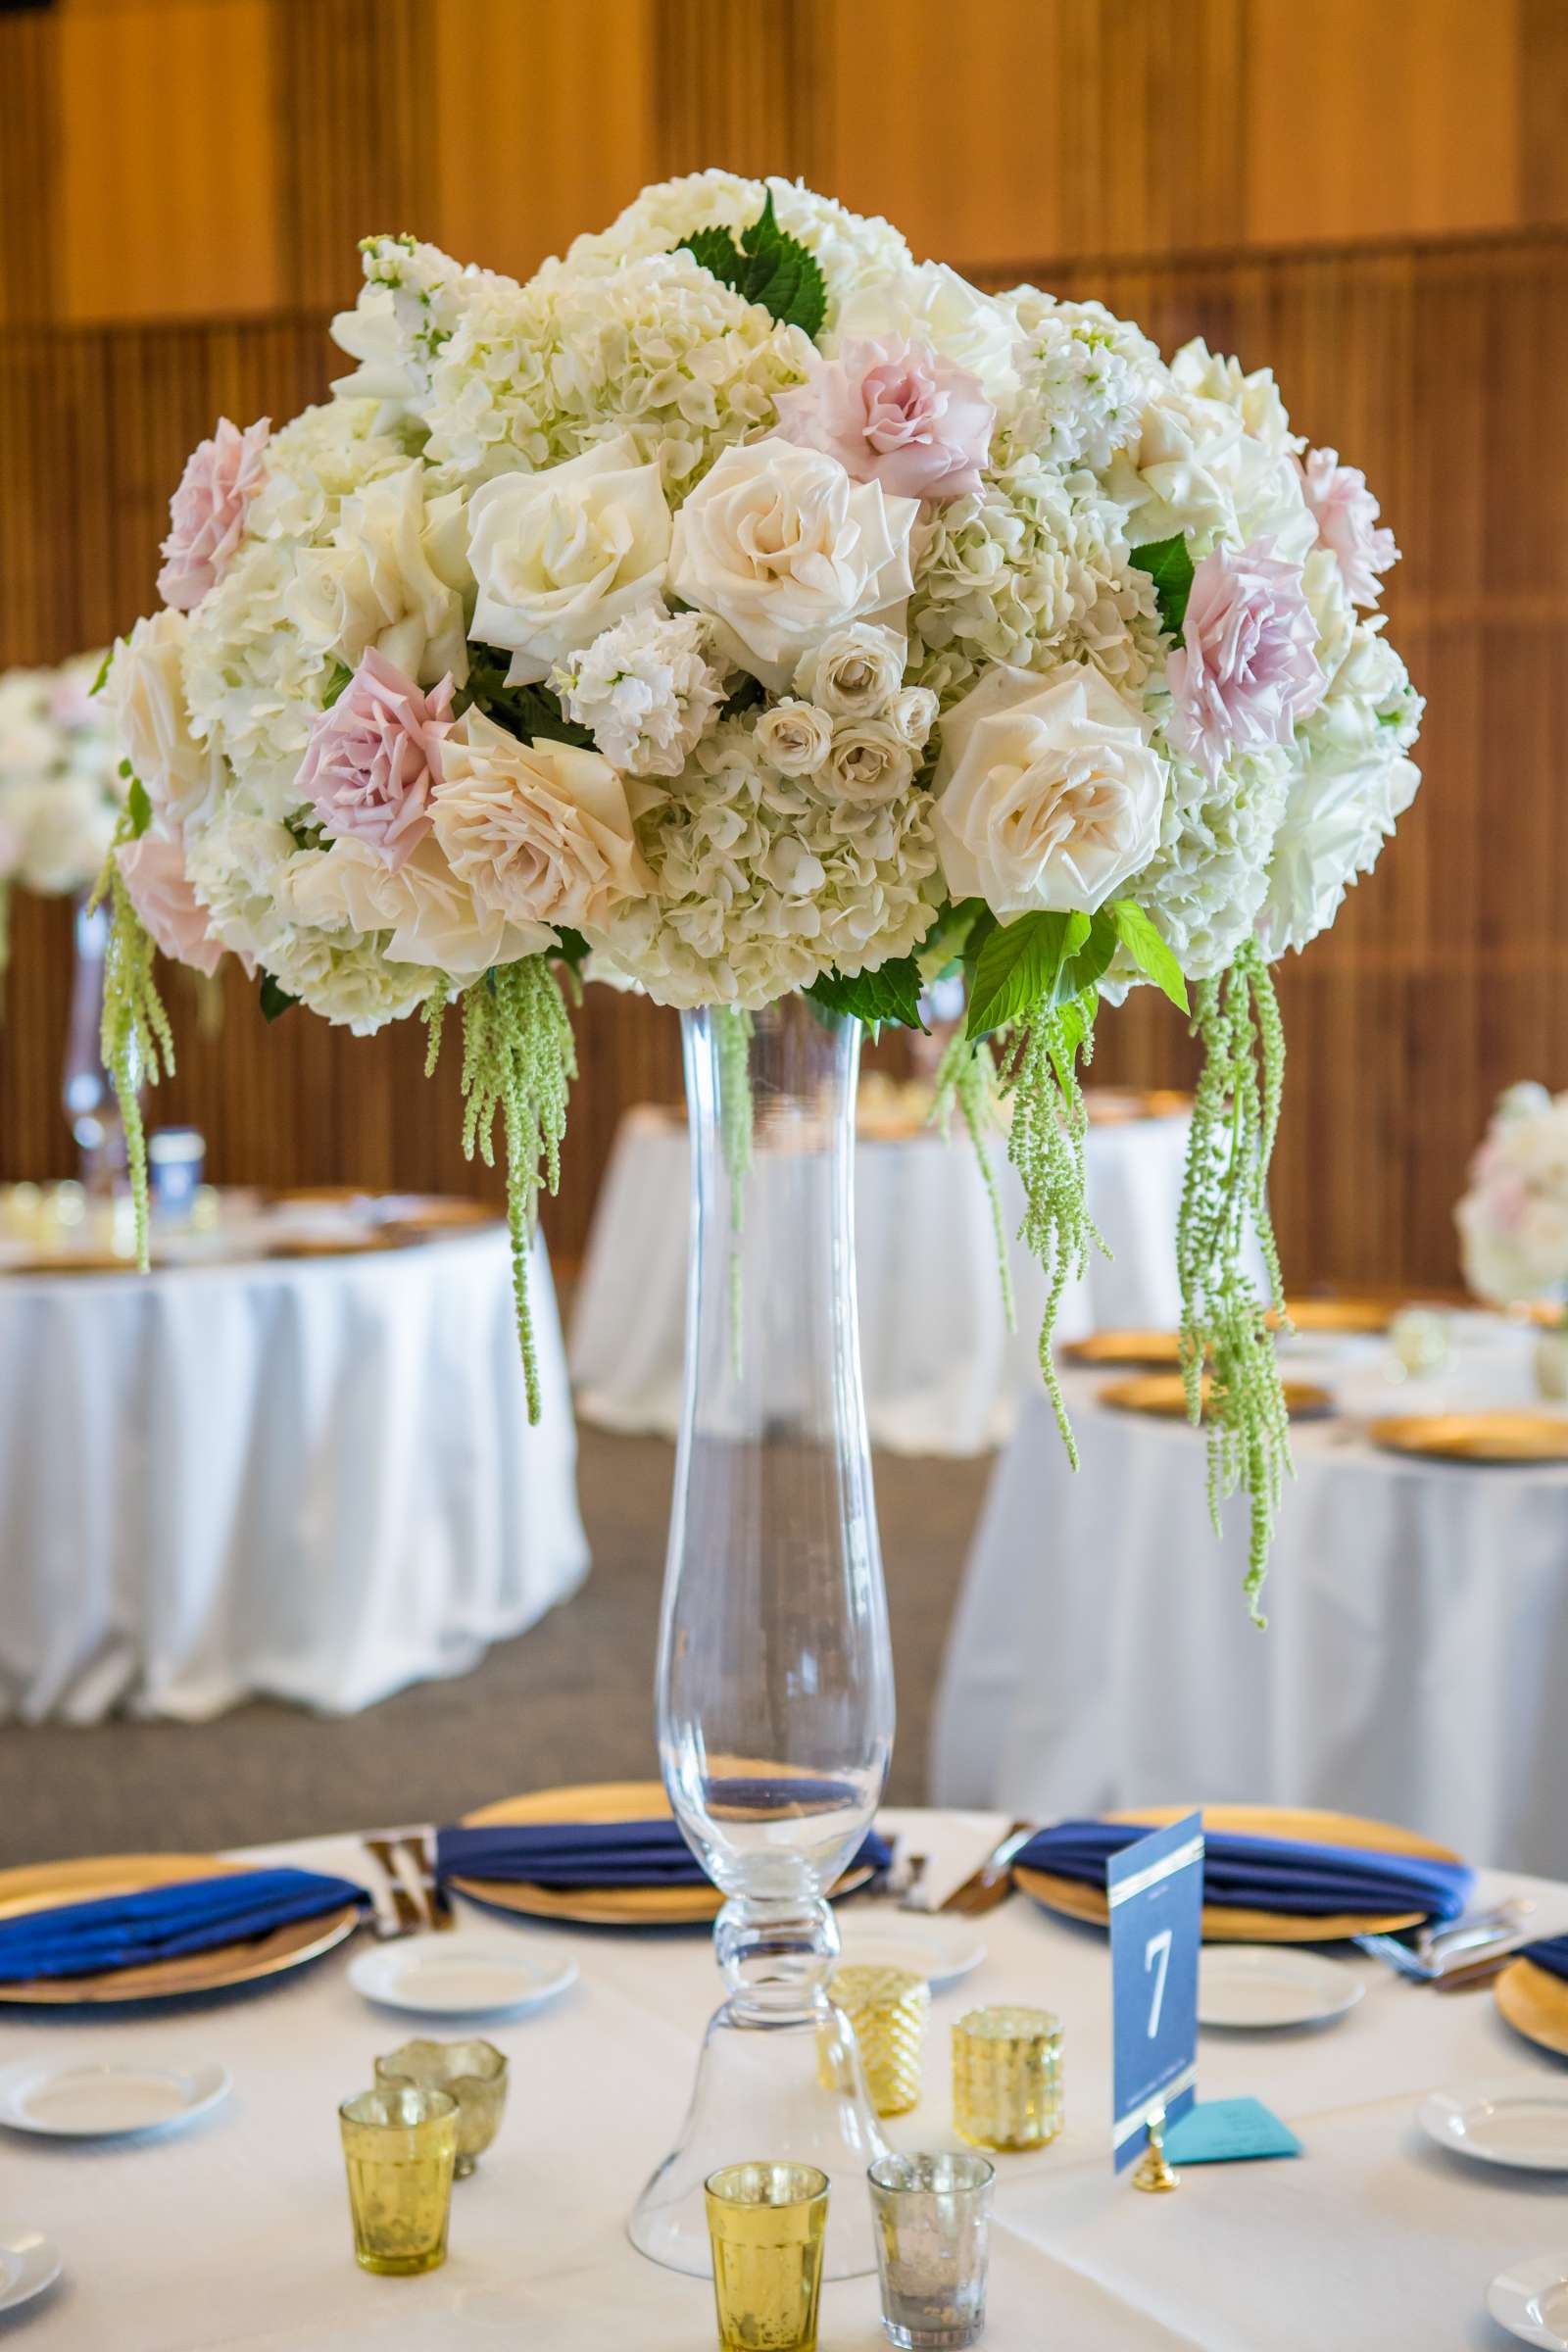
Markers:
(145, 690)
(1047, 797)
(913, 712)
(564, 555)
(869, 762)
(793, 737)
(780, 547)
(433, 917)
(855, 670)
(392, 578)
(540, 832)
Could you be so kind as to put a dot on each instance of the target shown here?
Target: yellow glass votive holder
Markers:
(400, 2144)
(888, 2009)
(766, 2224)
(1007, 2078)
(473, 2073)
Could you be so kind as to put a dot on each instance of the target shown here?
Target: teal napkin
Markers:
(1222, 2130)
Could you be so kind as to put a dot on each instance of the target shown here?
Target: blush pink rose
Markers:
(207, 513)
(894, 412)
(375, 757)
(1347, 517)
(171, 914)
(1247, 669)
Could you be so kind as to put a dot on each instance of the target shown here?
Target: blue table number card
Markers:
(1155, 1889)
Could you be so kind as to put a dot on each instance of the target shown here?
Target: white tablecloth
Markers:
(1417, 1649)
(942, 1372)
(311, 1479)
(235, 2234)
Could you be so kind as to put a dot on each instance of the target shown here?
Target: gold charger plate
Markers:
(1145, 1351)
(1491, 1436)
(603, 1906)
(68, 1262)
(1348, 1313)
(1223, 1924)
(438, 1213)
(44, 1887)
(1534, 2003)
(345, 1245)
(1163, 1395)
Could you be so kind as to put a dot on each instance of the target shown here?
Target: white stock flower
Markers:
(853, 672)
(1047, 795)
(1084, 376)
(539, 832)
(932, 304)
(645, 690)
(779, 547)
(392, 577)
(795, 737)
(560, 554)
(145, 695)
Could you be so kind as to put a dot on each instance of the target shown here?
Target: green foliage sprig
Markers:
(1045, 1145)
(1170, 564)
(768, 267)
(966, 1082)
(530, 712)
(518, 1058)
(1225, 1319)
(892, 993)
(1046, 960)
(134, 1040)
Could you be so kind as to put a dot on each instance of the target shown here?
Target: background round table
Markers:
(1417, 1647)
(311, 1478)
(942, 1372)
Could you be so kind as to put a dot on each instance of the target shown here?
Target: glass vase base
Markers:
(773, 2090)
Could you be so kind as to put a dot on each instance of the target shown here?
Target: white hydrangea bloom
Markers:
(645, 690)
(252, 681)
(314, 463)
(1205, 882)
(763, 881)
(1084, 376)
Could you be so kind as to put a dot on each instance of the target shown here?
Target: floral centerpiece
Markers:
(1513, 1220)
(60, 792)
(752, 610)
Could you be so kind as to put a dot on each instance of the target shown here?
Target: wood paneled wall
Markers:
(1367, 197)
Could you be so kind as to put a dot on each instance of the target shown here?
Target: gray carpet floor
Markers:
(570, 1701)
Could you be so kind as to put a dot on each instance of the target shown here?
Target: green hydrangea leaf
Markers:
(1021, 965)
(1170, 564)
(97, 685)
(139, 808)
(768, 267)
(1149, 951)
(716, 250)
(892, 993)
(274, 1000)
(530, 712)
(341, 676)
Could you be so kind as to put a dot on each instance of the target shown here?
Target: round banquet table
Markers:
(309, 1478)
(1417, 1647)
(942, 1372)
(235, 2232)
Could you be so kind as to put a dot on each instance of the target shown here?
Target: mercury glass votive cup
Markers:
(400, 2143)
(933, 2216)
(888, 2009)
(475, 2073)
(765, 2222)
(1007, 2078)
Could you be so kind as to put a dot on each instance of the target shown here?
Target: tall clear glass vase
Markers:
(775, 1672)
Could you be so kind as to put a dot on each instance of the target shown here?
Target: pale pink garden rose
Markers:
(1347, 517)
(374, 757)
(1246, 670)
(894, 412)
(207, 513)
(153, 870)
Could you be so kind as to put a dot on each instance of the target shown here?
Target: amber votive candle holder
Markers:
(765, 2222)
(1007, 2078)
(473, 2073)
(400, 2144)
(888, 2009)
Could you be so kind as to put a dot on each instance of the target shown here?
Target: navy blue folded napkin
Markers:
(589, 1853)
(1550, 1954)
(163, 1923)
(1271, 1874)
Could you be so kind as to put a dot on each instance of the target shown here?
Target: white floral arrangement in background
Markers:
(1513, 1220)
(60, 791)
(753, 608)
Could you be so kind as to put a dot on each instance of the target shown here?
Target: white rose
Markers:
(563, 554)
(1047, 795)
(913, 714)
(869, 762)
(433, 917)
(855, 670)
(793, 737)
(392, 577)
(780, 547)
(934, 305)
(540, 832)
(145, 693)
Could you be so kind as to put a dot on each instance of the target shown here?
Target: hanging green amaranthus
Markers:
(1225, 1318)
(518, 1058)
(1045, 1145)
(966, 1081)
(135, 1040)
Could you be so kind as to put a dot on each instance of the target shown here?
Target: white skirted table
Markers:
(307, 1477)
(1417, 1648)
(942, 1372)
(236, 2233)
